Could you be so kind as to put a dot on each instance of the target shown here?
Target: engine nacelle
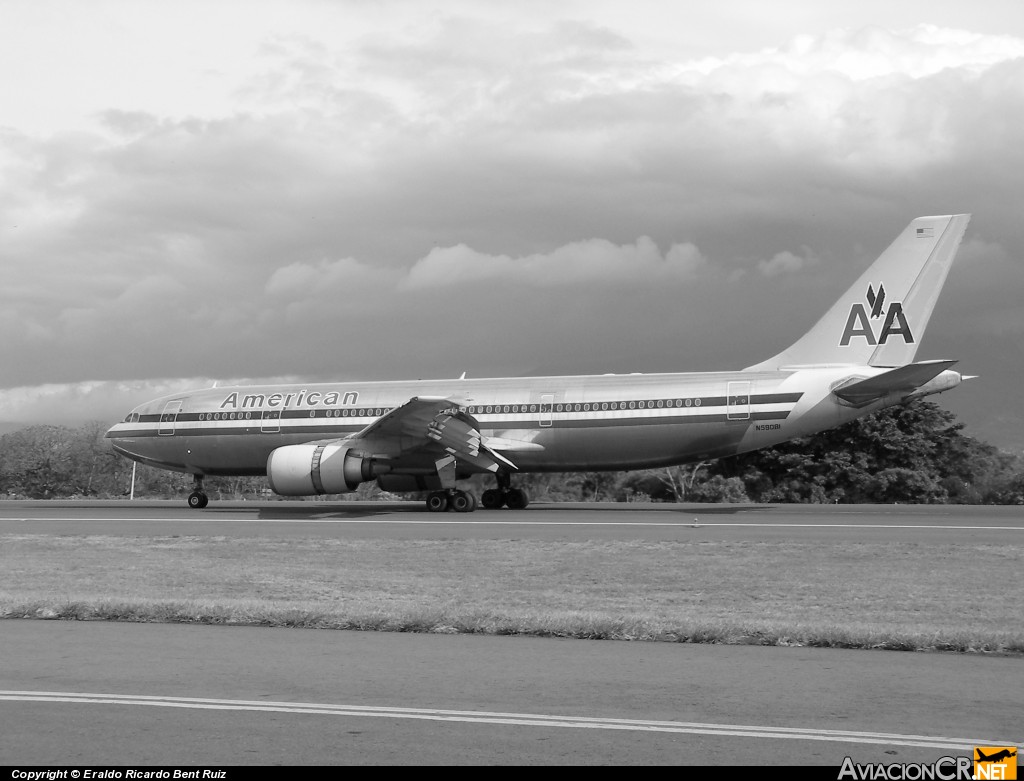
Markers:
(310, 470)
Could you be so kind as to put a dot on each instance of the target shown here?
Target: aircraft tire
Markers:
(492, 499)
(437, 502)
(462, 502)
(198, 501)
(517, 499)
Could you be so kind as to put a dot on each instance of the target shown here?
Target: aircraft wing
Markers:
(902, 379)
(432, 422)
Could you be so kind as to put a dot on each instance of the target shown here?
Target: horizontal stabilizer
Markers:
(905, 379)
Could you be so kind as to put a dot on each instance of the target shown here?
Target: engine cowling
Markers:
(311, 470)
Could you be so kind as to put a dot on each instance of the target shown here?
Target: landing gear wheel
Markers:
(462, 502)
(198, 499)
(516, 499)
(437, 502)
(492, 499)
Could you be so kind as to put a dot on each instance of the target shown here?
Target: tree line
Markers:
(914, 454)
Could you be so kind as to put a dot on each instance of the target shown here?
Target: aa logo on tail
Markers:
(859, 323)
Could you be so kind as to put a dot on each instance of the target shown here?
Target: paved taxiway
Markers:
(148, 694)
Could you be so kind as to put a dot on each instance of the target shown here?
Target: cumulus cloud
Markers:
(784, 263)
(105, 401)
(75, 403)
(389, 199)
(326, 277)
(578, 264)
(861, 54)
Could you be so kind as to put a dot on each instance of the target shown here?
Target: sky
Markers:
(199, 192)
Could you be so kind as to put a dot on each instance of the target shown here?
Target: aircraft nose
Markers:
(123, 437)
(119, 429)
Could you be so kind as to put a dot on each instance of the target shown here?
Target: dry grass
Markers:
(903, 595)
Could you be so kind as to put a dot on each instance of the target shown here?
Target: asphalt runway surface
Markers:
(409, 520)
(116, 694)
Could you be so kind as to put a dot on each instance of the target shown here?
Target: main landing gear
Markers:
(198, 499)
(451, 499)
(512, 498)
(504, 495)
(492, 499)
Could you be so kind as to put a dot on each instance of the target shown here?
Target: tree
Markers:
(684, 483)
(915, 452)
(35, 462)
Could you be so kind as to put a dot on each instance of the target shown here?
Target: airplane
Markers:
(1002, 754)
(328, 438)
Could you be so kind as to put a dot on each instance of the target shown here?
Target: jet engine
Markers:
(309, 470)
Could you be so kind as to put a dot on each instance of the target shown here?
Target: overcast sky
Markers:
(199, 191)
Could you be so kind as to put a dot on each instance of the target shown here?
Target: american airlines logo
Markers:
(863, 319)
(293, 399)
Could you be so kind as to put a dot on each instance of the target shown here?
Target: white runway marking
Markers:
(522, 719)
(690, 523)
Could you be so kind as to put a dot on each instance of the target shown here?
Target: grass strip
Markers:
(906, 596)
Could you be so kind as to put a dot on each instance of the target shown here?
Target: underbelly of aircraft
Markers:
(598, 448)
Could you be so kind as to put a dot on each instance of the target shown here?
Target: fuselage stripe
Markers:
(218, 428)
(480, 410)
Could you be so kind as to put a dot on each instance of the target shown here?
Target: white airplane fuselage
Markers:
(314, 439)
(547, 424)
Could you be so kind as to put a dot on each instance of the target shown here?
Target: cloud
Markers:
(105, 401)
(783, 263)
(75, 403)
(326, 278)
(578, 264)
(488, 191)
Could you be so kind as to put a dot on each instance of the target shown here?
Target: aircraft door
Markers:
(271, 421)
(547, 407)
(169, 417)
(738, 403)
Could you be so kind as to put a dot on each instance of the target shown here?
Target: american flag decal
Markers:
(924, 233)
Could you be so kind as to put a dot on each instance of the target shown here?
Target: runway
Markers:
(145, 694)
(409, 520)
(85, 693)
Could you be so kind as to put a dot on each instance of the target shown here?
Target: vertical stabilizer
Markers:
(880, 320)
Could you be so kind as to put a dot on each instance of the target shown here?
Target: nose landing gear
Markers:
(198, 499)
